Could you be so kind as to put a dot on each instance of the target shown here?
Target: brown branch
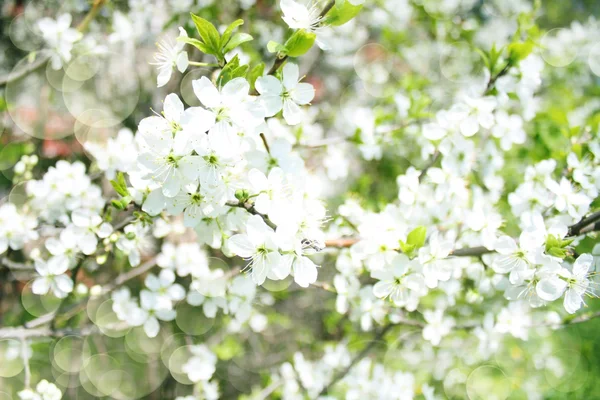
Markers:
(586, 222)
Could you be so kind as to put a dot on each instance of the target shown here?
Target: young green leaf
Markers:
(255, 73)
(120, 185)
(229, 31)
(232, 70)
(236, 40)
(274, 47)
(519, 51)
(299, 43)
(339, 15)
(208, 33)
(197, 44)
(417, 237)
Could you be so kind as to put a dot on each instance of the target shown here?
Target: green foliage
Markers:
(232, 70)
(557, 247)
(298, 44)
(214, 44)
(342, 13)
(414, 241)
(120, 185)
(228, 348)
(257, 71)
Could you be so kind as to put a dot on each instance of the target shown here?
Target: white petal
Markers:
(469, 126)
(291, 75)
(505, 245)
(151, 327)
(572, 301)
(240, 245)
(291, 112)
(550, 289)
(272, 104)
(258, 180)
(173, 107)
(582, 265)
(182, 61)
(40, 286)
(206, 92)
(154, 203)
(304, 93)
(64, 283)
(235, 91)
(172, 185)
(305, 272)
(87, 243)
(197, 119)
(164, 75)
(269, 85)
(383, 289)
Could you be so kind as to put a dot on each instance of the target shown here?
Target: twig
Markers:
(17, 266)
(340, 375)
(586, 225)
(41, 61)
(127, 276)
(23, 333)
(266, 392)
(435, 156)
(15, 76)
(89, 17)
(493, 79)
(24, 356)
(264, 140)
(119, 280)
(250, 208)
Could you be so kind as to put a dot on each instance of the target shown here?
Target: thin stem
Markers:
(264, 140)
(340, 375)
(250, 208)
(492, 82)
(89, 17)
(25, 356)
(202, 64)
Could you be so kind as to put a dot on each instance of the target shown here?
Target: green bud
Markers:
(101, 259)
(130, 235)
(242, 195)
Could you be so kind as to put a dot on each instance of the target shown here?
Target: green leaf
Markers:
(120, 185)
(417, 237)
(519, 51)
(208, 33)
(255, 73)
(228, 348)
(229, 31)
(299, 43)
(232, 70)
(557, 252)
(197, 44)
(407, 248)
(339, 15)
(236, 40)
(274, 47)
